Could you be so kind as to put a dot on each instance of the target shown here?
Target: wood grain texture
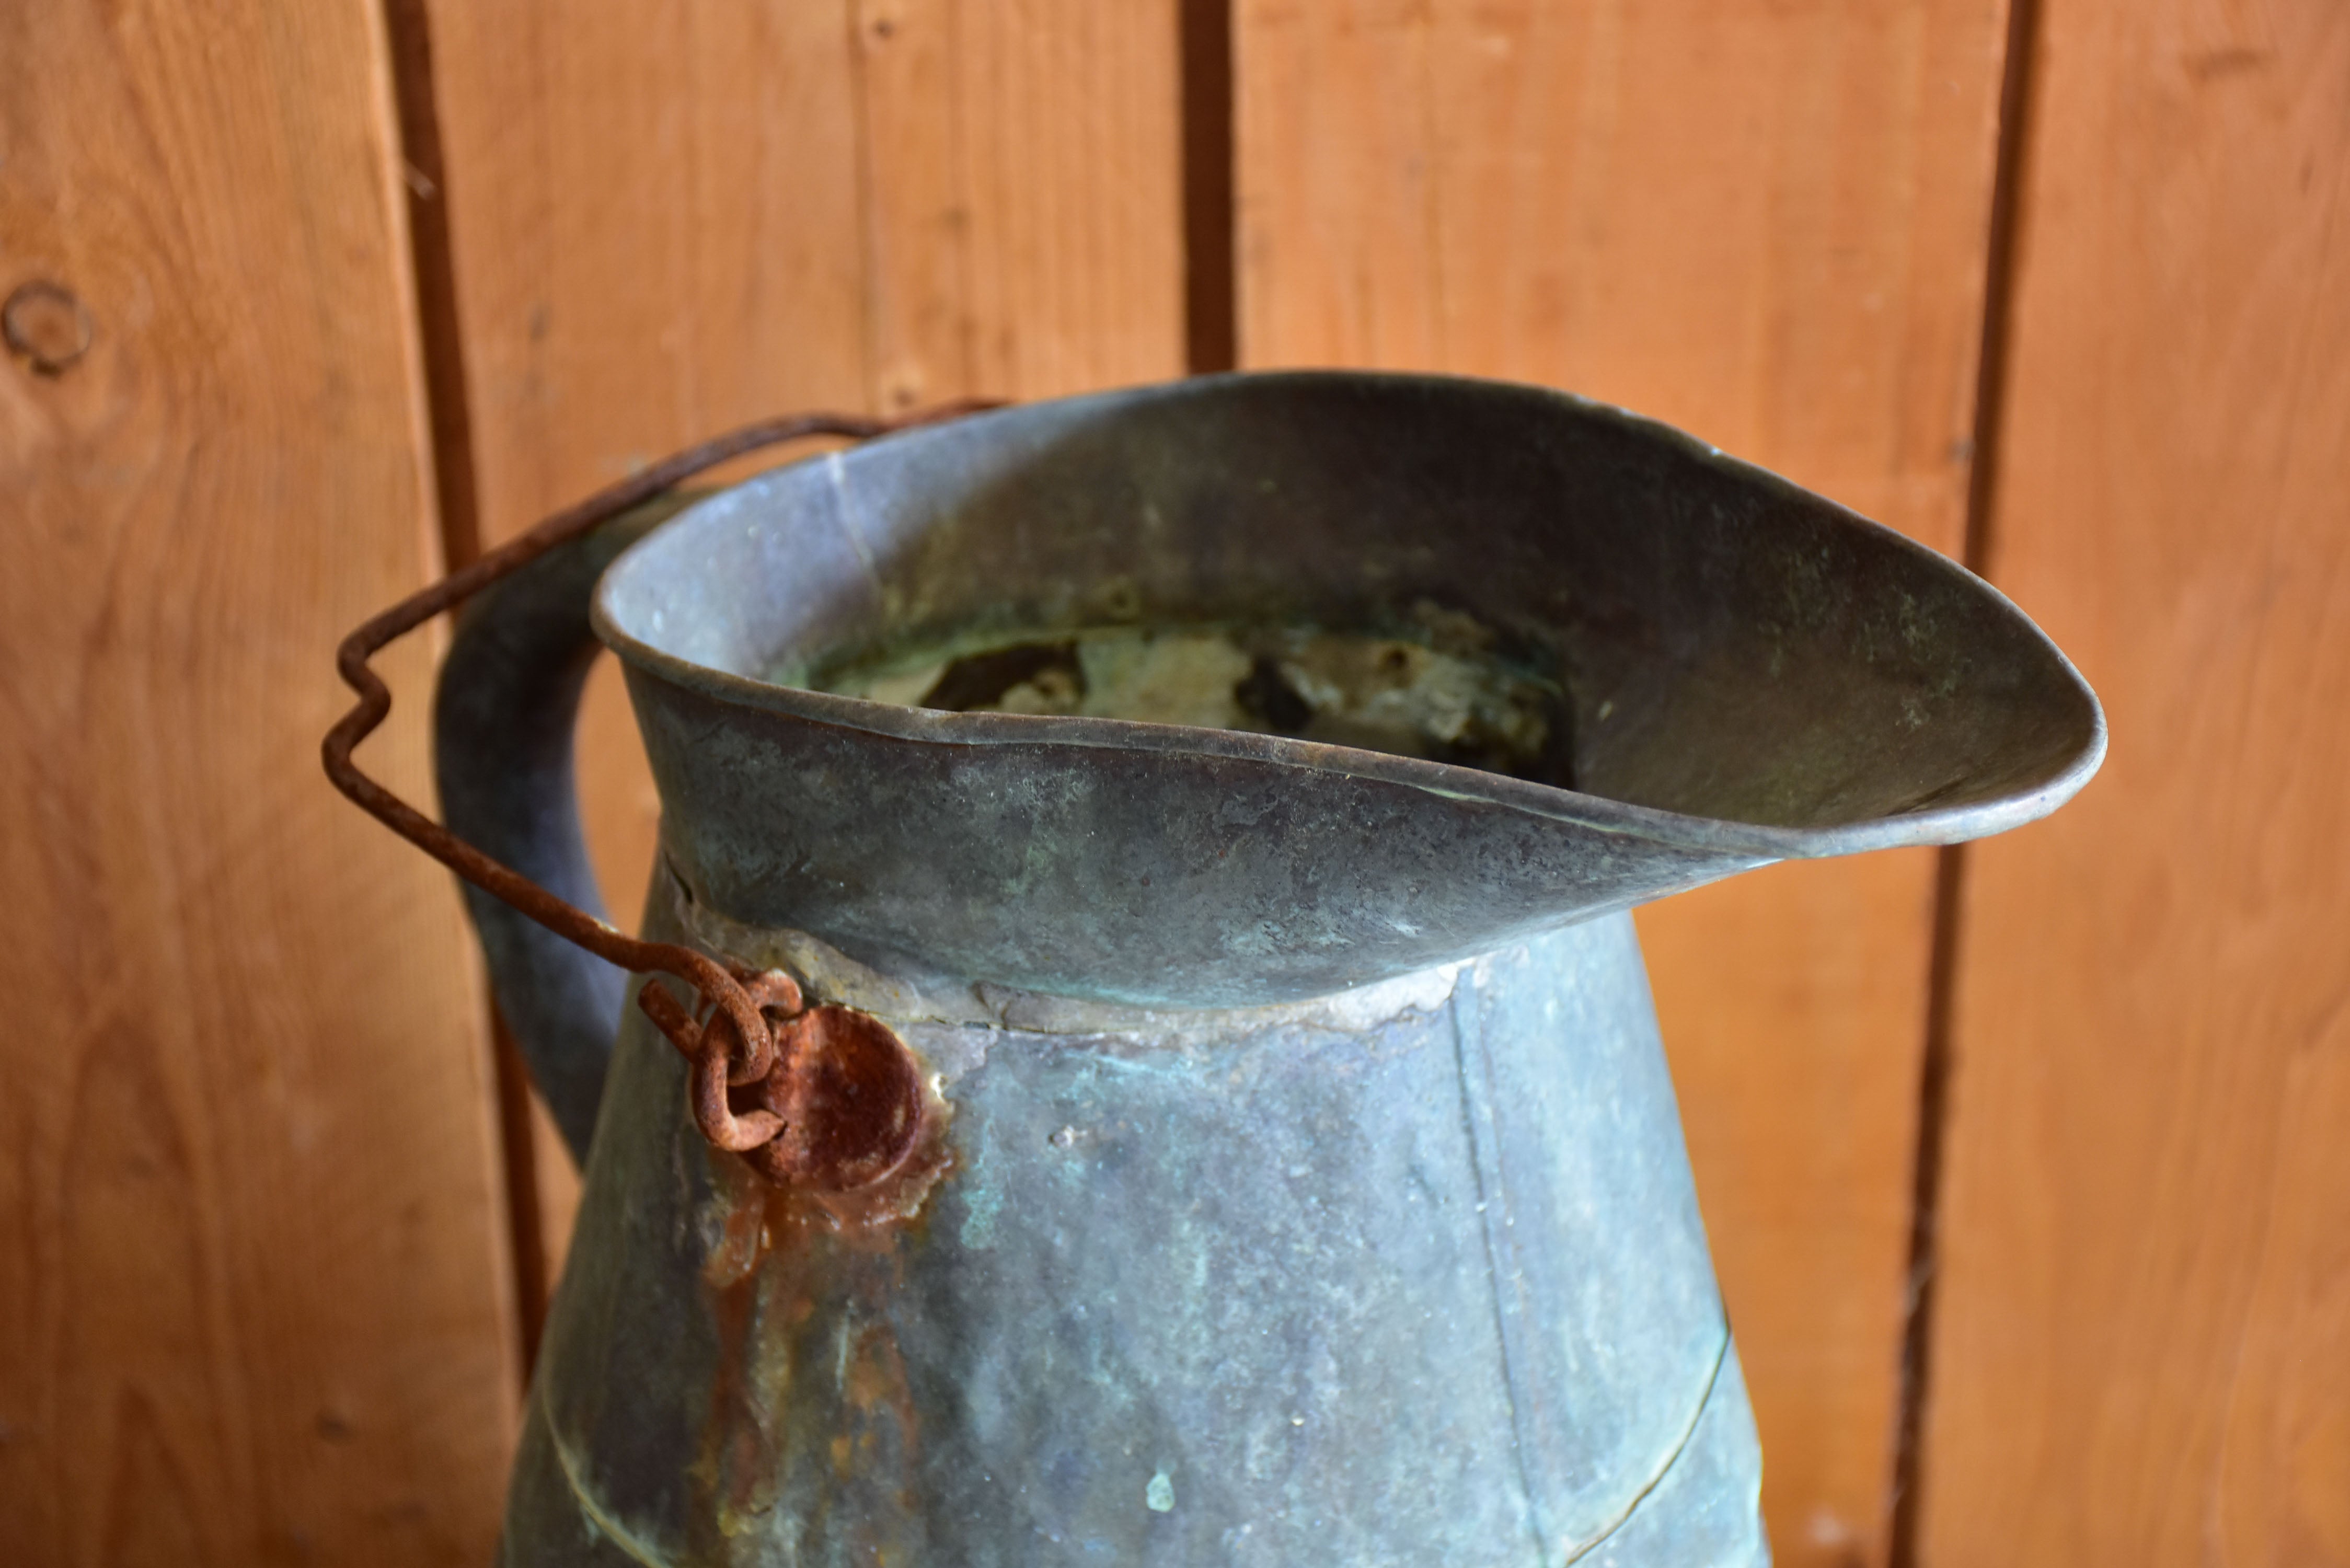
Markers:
(251, 1275)
(2142, 1348)
(671, 219)
(1023, 215)
(1767, 224)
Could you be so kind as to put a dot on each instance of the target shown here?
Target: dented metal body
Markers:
(1345, 1283)
(1296, 1178)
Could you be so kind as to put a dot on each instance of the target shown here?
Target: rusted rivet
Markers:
(45, 323)
(850, 1094)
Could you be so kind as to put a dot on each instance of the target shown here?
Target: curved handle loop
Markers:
(732, 1044)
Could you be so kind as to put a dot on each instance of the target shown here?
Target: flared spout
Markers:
(1641, 666)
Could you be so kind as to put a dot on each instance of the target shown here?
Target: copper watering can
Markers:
(1145, 1059)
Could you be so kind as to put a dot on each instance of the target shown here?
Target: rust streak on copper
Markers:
(732, 1045)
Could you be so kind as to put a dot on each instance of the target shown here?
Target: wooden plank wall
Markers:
(668, 220)
(1768, 225)
(254, 1301)
(273, 1317)
(2142, 1322)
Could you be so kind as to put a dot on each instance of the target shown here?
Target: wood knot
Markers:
(43, 322)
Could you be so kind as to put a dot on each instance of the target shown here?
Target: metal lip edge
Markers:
(1704, 835)
(830, 975)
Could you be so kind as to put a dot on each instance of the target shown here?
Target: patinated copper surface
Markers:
(1225, 1128)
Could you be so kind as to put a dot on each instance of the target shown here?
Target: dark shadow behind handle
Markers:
(504, 714)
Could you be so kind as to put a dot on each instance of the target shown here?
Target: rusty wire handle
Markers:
(735, 999)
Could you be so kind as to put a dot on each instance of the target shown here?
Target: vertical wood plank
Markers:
(670, 219)
(1766, 224)
(2142, 1324)
(250, 1260)
(1022, 160)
